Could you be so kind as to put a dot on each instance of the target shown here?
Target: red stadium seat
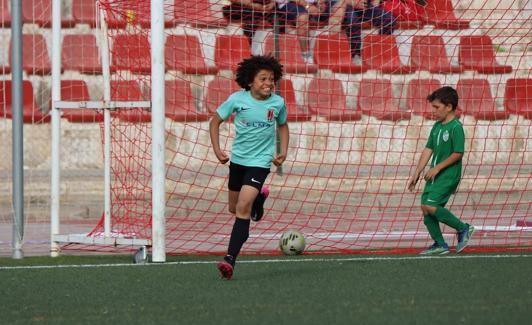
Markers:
(183, 53)
(333, 52)
(131, 13)
(380, 52)
(440, 13)
(31, 113)
(129, 90)
(131, 52)
(476, 99)
(180, 102)
(76, 90)
(518, 96)
(476, 53)
(375, 98)
(40, 12)
(295, 113)
(84, 12)
(80, 53)
(417, 92)
(217, 92)
(197, 13)
(326, 98)
(428, 53)
(35, 59)
(230, 50)
(290, 55)
(5, 16)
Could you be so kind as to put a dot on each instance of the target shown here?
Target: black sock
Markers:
(239, 235)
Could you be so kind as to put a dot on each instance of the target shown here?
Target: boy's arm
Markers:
(423, 160)
(454, 157)
(284, 136)
(214, 131)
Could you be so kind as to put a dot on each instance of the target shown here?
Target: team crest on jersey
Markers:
(445, 136)
(270, 114)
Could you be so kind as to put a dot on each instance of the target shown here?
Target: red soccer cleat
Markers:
(226, 269)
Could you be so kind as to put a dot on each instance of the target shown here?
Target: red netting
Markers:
(357, 124)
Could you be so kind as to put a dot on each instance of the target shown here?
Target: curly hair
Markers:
(248, 69)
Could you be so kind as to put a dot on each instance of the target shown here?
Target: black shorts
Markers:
(243, 175)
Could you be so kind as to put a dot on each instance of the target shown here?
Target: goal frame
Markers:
(156, 103)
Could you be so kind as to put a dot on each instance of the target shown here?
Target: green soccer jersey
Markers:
(255, 123)
(444, 140)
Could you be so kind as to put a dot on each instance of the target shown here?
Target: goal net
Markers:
(357, 113)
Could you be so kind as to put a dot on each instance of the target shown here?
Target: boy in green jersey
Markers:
(446, 146)
(258, 114)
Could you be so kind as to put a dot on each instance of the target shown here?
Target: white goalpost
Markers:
(108, 237)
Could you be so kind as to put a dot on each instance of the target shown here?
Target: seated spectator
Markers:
(339, 14)
(406, 10)
(304, 15)
(251, 14)
(358, 12)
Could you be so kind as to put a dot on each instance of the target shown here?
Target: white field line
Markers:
(291, 260)
(321, 235)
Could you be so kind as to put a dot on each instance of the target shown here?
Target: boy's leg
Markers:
(255, 177)
(226, 265)
(445, 216)
(240, 232)
(433, 226)
(464, 230)
(257, 210)
(239, 235)
(434, 201)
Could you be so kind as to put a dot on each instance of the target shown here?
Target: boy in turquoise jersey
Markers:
(258, 113)
(446, 146)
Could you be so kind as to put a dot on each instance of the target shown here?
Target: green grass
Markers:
(472, 289)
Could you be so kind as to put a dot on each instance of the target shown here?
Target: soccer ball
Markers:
(292, 242)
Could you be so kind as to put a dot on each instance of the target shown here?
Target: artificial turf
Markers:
(332, 289)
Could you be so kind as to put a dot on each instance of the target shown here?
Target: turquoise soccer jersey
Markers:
(255, 124)
(444, 140)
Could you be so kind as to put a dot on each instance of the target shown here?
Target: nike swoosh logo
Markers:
(431, 200)
(255, 181)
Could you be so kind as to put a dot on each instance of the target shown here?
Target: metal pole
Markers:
(18, 147)
(56, 127)
(157, 130)
(276, 54)
(106, 126)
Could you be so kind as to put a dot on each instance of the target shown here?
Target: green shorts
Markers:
(434, 198)
(438, 194)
